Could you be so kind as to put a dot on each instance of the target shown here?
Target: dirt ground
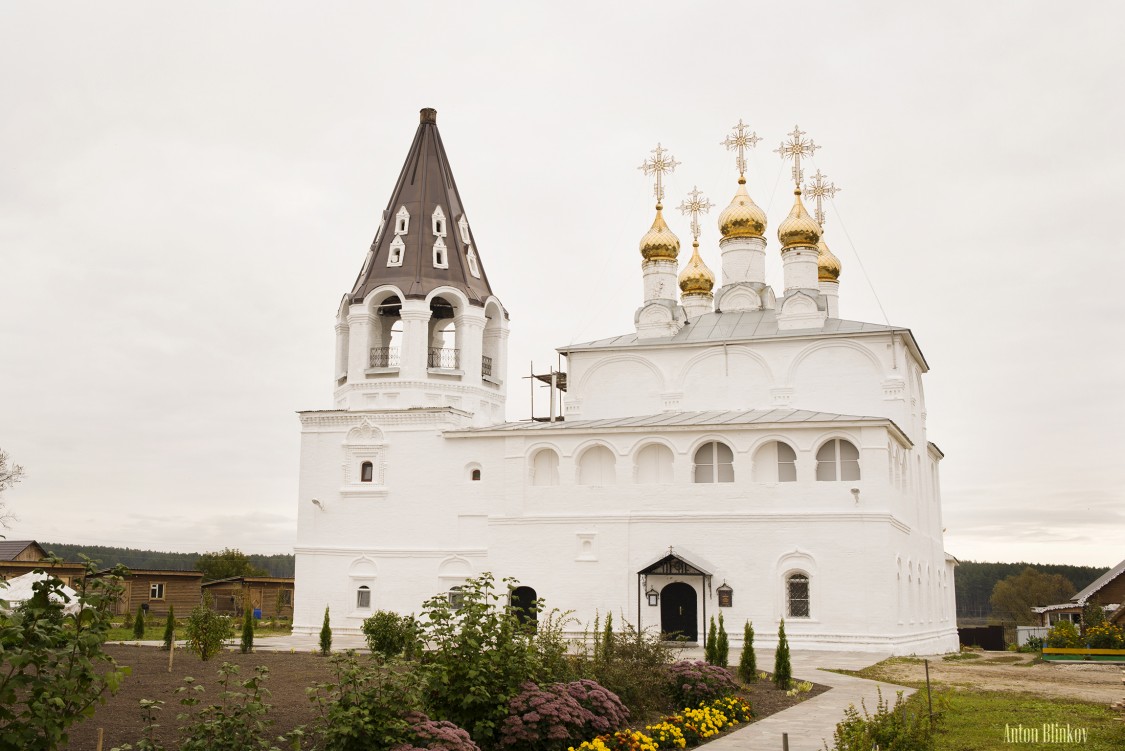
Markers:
(1009, 671)
(290, 674)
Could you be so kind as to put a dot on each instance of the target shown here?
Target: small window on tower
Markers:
(475, 475)
(366, 472)
(441, 257)
(398, 248)
(402, 221)
(439, 222)
(474, 267)
(463, 225)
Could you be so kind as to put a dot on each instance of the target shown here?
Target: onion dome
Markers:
(798, 229)
(659, 244)
(827, 264)
(743, 218)
(696, 278)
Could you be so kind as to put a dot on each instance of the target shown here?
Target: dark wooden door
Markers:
(523, 605)
(677, 612)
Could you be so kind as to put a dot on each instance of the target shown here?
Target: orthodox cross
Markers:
(695, 204)
(818, 189)
(659, 164)
(796, 147)
(739, 140)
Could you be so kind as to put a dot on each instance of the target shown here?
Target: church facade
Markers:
(742, 451)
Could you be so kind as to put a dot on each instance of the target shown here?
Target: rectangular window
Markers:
(363, 598)
(286, 597)
(156, 591)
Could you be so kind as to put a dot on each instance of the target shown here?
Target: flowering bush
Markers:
(693, 682)
(1105, 636)
(547, 717)
(667, 734)
(1063, 635)
(691, 727)
(435, 735)
(622, 740)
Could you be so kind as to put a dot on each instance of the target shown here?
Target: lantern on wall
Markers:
(726, 595)
(653, 597)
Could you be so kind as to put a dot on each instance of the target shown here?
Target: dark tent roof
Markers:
(425, 183)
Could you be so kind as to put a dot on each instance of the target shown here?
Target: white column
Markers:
(359, 342)
(743, 259)
(800, 268)
(415, 316)
(660, 280)
(830, 291)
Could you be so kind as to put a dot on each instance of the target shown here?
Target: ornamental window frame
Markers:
(438, 223)
(402, 222)
(441, 254)
(397, 251)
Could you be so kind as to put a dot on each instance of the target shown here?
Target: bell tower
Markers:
(421, 327)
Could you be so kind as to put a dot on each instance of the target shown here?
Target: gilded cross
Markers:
(695, 204)
(739, 140)
(818, 190)
(659, 164)
(796, 147)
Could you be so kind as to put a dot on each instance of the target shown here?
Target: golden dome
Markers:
(743, 218)
(827, 264)
(696, 278)
(798, 229)
(659, 244)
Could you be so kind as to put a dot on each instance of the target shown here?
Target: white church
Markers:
(743, 451)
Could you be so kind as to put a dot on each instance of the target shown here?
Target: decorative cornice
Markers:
(705, 518)
(390, 552)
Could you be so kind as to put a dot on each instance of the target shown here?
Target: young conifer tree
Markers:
(247, 644)
(139, 623)
(607, 638)
(169, 629)
(722, 645)
(326, 634)
(782, 670)
(711, 646)
(747, 662)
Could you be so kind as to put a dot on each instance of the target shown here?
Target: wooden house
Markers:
(271, 595)
(19, 557)
(156, 589)
(1108, 590)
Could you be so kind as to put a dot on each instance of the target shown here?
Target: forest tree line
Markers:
(279, 564)
(975, 581)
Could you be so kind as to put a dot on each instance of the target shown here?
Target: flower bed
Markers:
(689, 728)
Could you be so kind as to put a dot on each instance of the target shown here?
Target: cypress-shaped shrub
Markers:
(139, 623)
(247, 644)
(326, 634)
(782, 669)
(169, 629)
(747, 662)
(711, 646)
(722, 645)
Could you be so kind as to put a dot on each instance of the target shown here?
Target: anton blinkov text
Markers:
(1048, 732)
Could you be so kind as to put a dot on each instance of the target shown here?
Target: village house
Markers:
(19, 557)
(267, 596)
(155, 590)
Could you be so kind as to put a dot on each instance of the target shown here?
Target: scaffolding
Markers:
(555, 382)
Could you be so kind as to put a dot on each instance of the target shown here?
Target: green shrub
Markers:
(367, 705)
(638, 671)
(1104, 636)
(607, 638)
(139, 623)
(711, 645)
(747, 662)
(389, 634)
(206, 631)
(247, 643)
(326, 634)
(169, 629)
(903, 727)
(782, 669)
(722, 645)
(54, 666)
(239, 721)
(1063, 635)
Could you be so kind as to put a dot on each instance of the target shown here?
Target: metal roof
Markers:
(9, 549)
(742, 325)
(1098, 583)
(425, 183)
(717, 418)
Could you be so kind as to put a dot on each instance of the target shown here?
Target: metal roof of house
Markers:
(1098, 583)
(716, 418)
(425, 183)
(745, 325)
(9, 549)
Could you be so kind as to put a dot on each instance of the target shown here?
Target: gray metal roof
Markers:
(1098, 583)
(424, 183)
(717, 418)
(9, 549)
(739, 325)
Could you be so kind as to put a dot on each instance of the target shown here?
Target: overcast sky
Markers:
(186, 191)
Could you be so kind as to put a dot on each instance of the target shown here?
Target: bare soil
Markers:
(290, 673)
(1009, 671)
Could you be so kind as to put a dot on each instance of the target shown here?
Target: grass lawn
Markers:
(154, 630)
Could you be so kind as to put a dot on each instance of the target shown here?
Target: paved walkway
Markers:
(809, 724)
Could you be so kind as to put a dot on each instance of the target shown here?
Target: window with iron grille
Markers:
(798, 596)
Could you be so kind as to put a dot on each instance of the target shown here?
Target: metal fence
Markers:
(444, 358)
(384, 357)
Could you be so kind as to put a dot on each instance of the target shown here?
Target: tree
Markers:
(326, 634)
(747, 662)
(247, 631)
(711, 645)
(722, 645)
(1013, 598)
(206, 630)
(169, 629)
(55, 668)
(139, 623)
(226, 563)
(782, 669)
(10, 474)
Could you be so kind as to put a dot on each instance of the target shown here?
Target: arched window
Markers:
(654, 464)
(545, 468)
(775, 462)
(714, 462)
(456, 597)
(475, 475)
(366, 471)
(363, 597)
(524, 606)
(444, 352)
(597, 466)
(838, 459)
(797, 595)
